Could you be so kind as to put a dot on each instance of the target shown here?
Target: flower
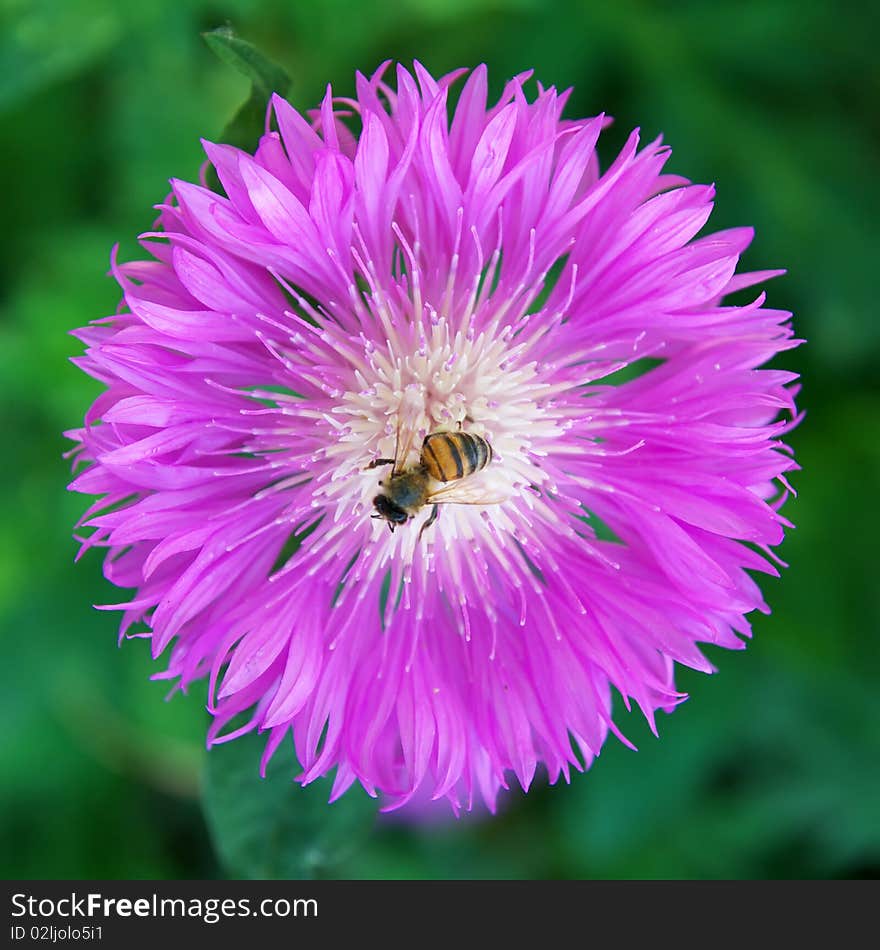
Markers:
(350, 294)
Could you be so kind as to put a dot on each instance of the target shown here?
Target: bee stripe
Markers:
(456, 456)
(436, 469)
(470, 447)
(483, 451)
(442, 458)
(449, 456)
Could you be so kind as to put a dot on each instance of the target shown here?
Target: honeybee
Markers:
(445, 460)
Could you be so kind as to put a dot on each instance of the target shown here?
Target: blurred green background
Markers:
(772, 769)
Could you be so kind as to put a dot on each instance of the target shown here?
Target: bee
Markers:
(445, 460)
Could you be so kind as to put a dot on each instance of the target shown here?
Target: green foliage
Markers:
(771, 768)
(42, 42)
(274, 828)
(265, 78)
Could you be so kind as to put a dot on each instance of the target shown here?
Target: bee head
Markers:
(393, 514)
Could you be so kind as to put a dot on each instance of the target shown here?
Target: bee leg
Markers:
(377, 462)
(435, 514)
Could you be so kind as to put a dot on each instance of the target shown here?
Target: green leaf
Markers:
(265, 76)
(273, 828)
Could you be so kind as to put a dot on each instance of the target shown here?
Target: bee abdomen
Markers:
(448, 456)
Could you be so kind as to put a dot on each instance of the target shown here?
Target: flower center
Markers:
(431, 377)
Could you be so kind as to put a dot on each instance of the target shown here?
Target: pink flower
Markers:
(351, 294)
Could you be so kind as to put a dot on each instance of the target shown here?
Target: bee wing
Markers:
(458, 493)
(403, 446)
